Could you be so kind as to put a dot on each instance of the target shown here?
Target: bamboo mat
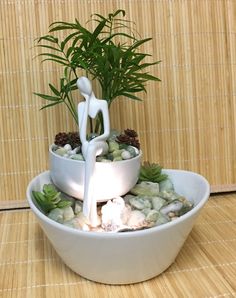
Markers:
(205, 267)
(187, 121)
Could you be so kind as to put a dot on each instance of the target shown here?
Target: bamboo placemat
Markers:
(205, 267)
(187, 121)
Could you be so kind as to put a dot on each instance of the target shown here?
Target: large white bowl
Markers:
(129, 257)
(111, 179)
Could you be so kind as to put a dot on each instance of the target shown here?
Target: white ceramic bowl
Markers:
(111, 179)
(129, 257)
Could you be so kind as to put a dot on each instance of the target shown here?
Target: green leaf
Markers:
(47, 97)
(51, 104)
(54, 90)
(44, 204)
(59, 26)
(49, 38)
(53, 56)
(50, 198)
(129, 95)
(49, 189)
(139, 43)
(69, 37)
(151, 172)
(48, 47)
(55, 60)
(110, 54)
(63, 204)
(97, 31)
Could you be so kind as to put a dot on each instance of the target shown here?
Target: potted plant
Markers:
(110, 54)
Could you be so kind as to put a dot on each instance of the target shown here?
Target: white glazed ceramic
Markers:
(111, 179)
(129, 257)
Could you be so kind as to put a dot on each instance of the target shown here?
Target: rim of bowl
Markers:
(100, 162)
(137, 233)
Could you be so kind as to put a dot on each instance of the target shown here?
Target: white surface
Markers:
(128, 257)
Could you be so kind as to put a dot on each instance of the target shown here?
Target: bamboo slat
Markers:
(205, 266)
(187, 121)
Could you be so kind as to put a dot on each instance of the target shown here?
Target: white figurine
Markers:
(90, 149)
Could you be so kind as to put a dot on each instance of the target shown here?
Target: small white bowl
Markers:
(128, 257)
(111, 179)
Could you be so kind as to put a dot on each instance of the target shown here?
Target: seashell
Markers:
(173, 206)
(166, 185)
(140, 202)
(68, 213)
(56, 214)
(152, 216)
(145, 188)
(114, 214)
(158, 202)
(136, 219)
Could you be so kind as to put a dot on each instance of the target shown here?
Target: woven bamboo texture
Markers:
(187, 121)
(205, 266)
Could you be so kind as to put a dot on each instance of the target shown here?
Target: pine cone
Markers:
(123, 139)
(74, 139)
(61, 139)
(131, 133)
(135, 142)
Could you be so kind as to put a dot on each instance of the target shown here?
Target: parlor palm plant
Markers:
(109, 54)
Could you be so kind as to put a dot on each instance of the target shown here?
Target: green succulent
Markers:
(50, 198)
(151, 172)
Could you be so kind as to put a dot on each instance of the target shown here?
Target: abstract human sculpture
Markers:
(92, 148)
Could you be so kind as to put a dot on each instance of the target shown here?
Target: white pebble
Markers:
(67, 147)
(70, 152)
(76, 150)
(126, 155)
(136, 150)
(68, 213)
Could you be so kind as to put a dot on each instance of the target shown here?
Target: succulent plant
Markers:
(151, 172)
(50, 198)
